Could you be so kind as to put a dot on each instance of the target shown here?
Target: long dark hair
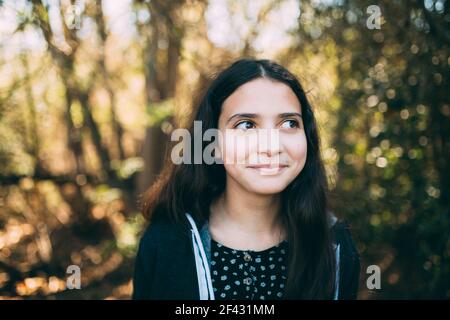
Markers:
(192, 187)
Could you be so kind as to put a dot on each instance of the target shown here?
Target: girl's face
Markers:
(262, 143)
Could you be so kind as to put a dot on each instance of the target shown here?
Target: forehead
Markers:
(262, 96)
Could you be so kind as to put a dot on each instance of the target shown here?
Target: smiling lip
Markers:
(267, 170)
(267, 166)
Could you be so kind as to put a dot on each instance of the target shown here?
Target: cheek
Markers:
(296, 148)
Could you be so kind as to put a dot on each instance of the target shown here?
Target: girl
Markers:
(255, 223)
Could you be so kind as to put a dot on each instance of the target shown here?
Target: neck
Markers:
(248, 212)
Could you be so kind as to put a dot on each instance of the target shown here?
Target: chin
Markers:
(265, 184)
(266, 187)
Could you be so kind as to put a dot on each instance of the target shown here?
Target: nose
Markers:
(269, 142)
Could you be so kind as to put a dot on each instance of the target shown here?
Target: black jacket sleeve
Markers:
(351, 283)
(350, 265)
(144, 267)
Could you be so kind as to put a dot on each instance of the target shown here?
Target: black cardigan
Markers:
(165, 265)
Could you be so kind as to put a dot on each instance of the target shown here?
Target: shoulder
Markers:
(350, 264)
(342, 235)
(153, 246)
(162, 230)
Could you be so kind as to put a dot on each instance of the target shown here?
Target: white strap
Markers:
(201, 277)
(336, 292)
(196, 239)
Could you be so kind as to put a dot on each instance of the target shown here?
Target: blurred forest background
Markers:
(90, 91)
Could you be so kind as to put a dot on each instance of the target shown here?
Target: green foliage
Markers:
(157, 112)
(392, 135)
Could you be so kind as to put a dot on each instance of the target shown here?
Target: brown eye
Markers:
(245, 125)
(289, 124)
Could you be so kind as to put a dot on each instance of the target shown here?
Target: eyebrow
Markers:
(255, 115)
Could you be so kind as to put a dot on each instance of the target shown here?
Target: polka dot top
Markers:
(248, 275)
